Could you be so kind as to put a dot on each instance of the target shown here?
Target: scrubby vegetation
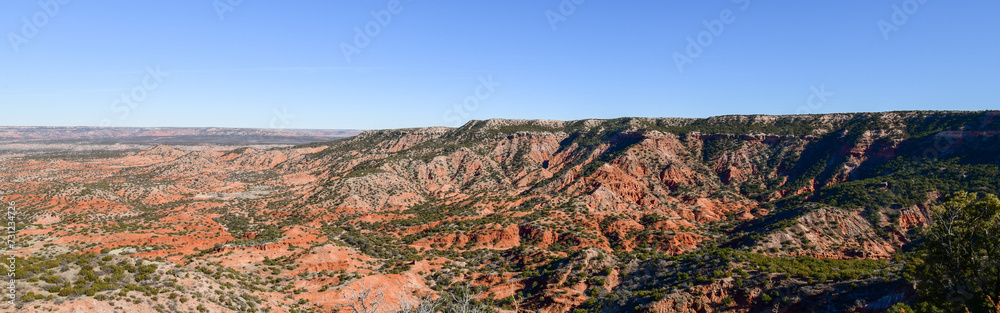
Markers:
(958, 264)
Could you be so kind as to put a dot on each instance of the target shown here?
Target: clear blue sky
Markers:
(280, 63)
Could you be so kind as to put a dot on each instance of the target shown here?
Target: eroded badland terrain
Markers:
(803, 213)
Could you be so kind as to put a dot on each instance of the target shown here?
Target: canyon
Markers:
(628, 214)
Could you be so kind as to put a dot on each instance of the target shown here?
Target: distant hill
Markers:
(171, 135)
